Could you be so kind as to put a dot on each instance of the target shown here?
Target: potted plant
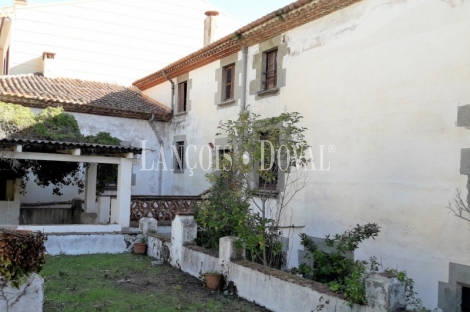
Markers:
(141, 246)
(212, 280)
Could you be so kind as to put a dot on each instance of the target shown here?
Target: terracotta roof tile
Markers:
(297, 13)
(75, 95)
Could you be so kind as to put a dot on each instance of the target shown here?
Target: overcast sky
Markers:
(244, 10)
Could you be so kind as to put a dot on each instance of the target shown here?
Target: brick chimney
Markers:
(20, 2)
(49, 65)
(210, 27)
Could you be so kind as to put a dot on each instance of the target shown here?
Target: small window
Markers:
(270, 74)
(179, 156)
(3, 190)
(229, 82)
(465, 299)
(268, 184)
(182, 96)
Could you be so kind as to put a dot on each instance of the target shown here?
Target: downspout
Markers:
(244, 78)
(172, 91)
(160, 141)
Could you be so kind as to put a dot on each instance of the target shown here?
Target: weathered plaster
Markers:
(27, 298)
(92, 243)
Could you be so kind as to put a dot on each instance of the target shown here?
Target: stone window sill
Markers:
(268, 92)
(268, 193)
(181, 113)
(227, 102)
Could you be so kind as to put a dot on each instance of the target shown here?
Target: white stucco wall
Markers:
(380, 81)
(116, 41)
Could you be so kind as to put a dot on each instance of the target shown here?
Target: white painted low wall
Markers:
(276, 290)
(73, 228)
(83, 244)
(27, 298)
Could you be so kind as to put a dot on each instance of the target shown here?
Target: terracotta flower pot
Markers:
(140, 248)
(213, 280)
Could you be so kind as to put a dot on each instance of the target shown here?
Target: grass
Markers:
(128, 282)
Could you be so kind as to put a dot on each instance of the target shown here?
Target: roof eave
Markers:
(87, 109)
(293, 15)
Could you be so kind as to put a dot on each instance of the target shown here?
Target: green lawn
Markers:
(128, 282)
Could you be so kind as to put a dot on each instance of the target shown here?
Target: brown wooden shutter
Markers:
(229, 82)
(271, 70)
(182, 96)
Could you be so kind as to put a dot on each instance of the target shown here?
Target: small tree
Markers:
(267, 156)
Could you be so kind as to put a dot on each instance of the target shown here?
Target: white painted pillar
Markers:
(183, 231)
(90, 188)
(123, 209)
(104, 207)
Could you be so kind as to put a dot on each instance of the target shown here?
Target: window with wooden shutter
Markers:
(182, 96)
(229, 82)
(270, 76)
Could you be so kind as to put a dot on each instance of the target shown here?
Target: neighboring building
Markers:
(98, 107)
(377, 81)
(114, 41)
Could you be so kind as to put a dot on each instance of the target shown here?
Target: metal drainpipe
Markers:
(160, 141)
(172, 91)
(244, 78)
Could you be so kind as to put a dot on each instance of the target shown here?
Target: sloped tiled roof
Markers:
(87, 148)
(75, 95)
(289, 17)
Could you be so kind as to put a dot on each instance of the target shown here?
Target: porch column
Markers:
(90, 188)
(121, 214)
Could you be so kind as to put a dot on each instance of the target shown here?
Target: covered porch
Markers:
(96, 218)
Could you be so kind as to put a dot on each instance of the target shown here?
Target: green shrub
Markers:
(340, 273)
(20, 255)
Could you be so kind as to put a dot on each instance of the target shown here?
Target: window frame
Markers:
(270, 74)
(182, 97)
(181, 154)
(225, 70)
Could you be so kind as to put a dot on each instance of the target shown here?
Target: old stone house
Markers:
(378, 84)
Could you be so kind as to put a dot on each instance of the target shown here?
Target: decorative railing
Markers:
(162, 208)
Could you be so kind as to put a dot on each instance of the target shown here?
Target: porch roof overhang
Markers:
(67, 151)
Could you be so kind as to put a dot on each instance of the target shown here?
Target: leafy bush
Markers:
(225, 212)
(20, 255)
(51, 124)
(342, 274)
